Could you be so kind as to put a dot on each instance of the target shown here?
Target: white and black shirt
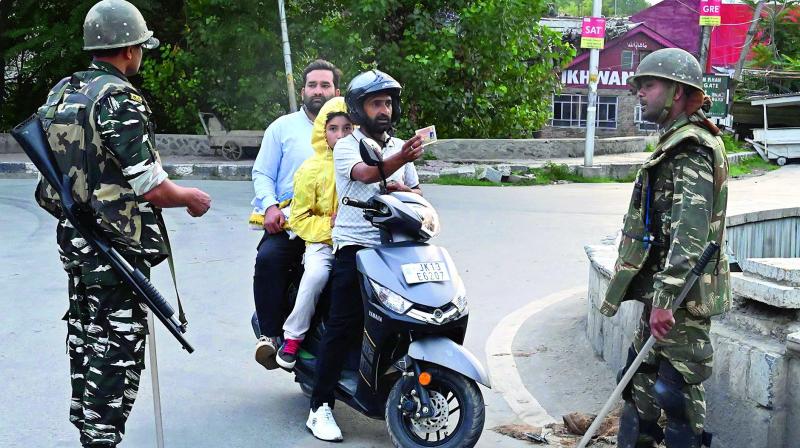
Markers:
(351, 228)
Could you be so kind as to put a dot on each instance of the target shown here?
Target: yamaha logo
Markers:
(375, 316)
(438, 314)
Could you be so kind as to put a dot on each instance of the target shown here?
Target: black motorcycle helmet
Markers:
(365, 84)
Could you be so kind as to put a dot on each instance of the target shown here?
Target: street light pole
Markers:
(591, 109)
(287, 57)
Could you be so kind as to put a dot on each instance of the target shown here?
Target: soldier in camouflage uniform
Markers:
(678, 206)
(99, 128)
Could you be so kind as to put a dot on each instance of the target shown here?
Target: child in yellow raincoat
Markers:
(312, 216)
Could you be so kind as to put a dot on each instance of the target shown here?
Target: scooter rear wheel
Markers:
(458, 412)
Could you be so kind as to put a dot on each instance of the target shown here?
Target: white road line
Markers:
(502, 367)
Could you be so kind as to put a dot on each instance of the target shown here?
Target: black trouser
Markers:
(343, 328)
(277, 255)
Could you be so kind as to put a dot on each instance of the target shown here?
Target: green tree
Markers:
(480, 68)
(777, 50)
(228, 61)
(611, 8)
(474, 68)
(41, 42)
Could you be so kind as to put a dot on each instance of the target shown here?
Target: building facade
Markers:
(618, 112)
(668, 24)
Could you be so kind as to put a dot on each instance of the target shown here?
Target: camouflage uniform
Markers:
(99, 128)
(677, 207)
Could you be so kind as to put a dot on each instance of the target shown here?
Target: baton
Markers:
(696, 272)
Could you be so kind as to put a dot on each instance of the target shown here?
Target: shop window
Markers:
(643, 54)
(640, 123)
(569, 111)
(627, 60)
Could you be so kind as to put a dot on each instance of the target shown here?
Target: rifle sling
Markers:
(163, 228)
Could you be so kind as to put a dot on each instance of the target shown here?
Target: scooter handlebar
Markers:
(356, 203)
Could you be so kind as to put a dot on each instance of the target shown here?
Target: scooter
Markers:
(411, 368)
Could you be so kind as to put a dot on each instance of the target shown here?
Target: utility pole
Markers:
(287, 57)
(705, 42)
(748, 41)
(591, 109)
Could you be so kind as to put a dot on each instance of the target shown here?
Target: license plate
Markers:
(433, 271)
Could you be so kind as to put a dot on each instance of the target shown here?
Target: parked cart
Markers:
(232, 144)
(778, 144)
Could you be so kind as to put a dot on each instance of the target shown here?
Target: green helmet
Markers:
(116, 24)
(670, 63)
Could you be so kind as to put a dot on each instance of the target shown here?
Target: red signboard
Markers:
(593, 32)
(710, 12)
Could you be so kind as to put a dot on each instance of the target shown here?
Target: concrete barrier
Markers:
(457, 150)
(751, 397)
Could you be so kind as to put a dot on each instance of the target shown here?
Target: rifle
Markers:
(31, 136)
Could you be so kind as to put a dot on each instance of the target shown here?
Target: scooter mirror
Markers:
(370, 152)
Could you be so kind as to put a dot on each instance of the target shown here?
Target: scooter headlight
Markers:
(429, 218)
(390, 299)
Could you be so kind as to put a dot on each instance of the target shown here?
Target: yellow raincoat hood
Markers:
(315, 198)
(318, 140)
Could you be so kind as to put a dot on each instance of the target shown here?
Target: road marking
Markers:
(502, 367)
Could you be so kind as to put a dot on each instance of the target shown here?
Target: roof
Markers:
(783, 99)
(640, 28)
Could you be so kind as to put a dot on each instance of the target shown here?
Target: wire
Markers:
(687, 6)
(743, 23)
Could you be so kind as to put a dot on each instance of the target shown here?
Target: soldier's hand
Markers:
(412, 149)
(199, 202)
(661, 321)
(274, 220)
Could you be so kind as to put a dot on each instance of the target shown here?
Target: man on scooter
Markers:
(373, 102)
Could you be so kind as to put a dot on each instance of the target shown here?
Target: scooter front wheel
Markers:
(458, 412)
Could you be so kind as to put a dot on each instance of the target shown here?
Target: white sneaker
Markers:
(265, 352)
(322, 424)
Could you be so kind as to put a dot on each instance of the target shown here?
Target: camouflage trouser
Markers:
(688, 349)
(106, 328)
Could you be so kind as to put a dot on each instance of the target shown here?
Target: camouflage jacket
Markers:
(99, 129)
(678, 206)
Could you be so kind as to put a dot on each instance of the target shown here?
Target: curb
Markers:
(502, 367)
(18, 170)
(621, 170)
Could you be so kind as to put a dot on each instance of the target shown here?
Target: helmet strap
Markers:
(668, 103)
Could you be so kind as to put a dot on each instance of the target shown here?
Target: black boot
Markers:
(635, 432)
(679, 434)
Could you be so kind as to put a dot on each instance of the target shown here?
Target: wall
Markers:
(168, 144)
(460, 150)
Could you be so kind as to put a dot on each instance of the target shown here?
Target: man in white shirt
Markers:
(286, 145)
(373, 102)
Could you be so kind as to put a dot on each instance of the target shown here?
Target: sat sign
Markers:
(593, 32)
